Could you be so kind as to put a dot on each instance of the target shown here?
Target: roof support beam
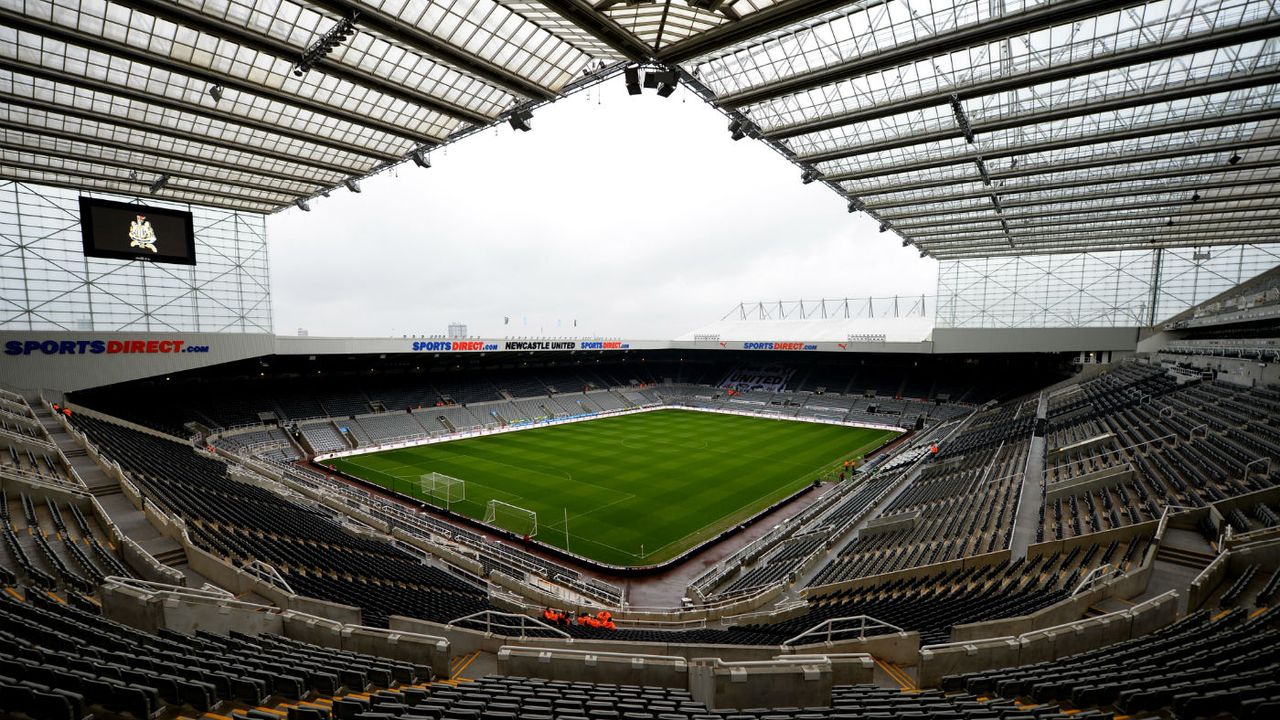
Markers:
(895, 144)
(986, 208)
(1093, 108)
(1138, 56)
(1201, 208)
(339, 170)
(217, 27)
(72, 37)
(599, 26)
(1104, 246)
(389, 27)
(1144, 240)
(113, 186)
(1067, 167)
(1033, 223)
(172, 185)
(1069, 184)
(160, 153)
(757, 23)
(1147, 131)
(196, 110)
(1102, 228)
(159, 165)
(1046, 15)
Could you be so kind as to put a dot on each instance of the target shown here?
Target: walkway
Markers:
(130, 520)
(1031, 499)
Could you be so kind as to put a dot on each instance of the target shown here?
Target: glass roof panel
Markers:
(1116, 35)
(107, 132)
(142, 160)
(486, 29)
(172, 121)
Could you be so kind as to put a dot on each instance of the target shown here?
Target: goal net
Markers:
(443, 489)
(511, 517)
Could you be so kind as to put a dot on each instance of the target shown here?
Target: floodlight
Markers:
(1195, 197)
(421, 158)
(737, 130)
(335, 36)
(352, 185)
(1235, 158)
(666, 82)
(520, 120)
(159, 183)
(883, 227)
(632, 75)
(215, 92)
(302, 204)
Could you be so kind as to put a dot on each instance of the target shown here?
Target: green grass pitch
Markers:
(639, 489)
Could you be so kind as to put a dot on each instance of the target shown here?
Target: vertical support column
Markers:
(1157, 260)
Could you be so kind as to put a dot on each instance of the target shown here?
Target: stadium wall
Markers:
(79, 360)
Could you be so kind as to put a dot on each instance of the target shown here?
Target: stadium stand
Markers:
(1204, 665)
(1128, 443)
(304, 545)
(468, 400)
(865, 549)
(323, 437)
(64, 660)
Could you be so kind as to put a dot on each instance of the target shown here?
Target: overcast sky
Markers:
(637, 216)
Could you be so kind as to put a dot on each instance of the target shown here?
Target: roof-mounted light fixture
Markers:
(335, 36)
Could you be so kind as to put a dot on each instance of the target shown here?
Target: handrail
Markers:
(524, 623)
(212, 593)
(267, 572)
(827, 628)
(675, 659)
(749, 618)
(1169, 594)
(1096, 575)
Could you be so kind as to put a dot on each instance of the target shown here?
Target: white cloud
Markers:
(637, 216)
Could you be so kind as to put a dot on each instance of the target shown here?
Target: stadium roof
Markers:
(971, 128)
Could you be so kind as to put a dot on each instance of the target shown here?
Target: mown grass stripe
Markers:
(638, 489)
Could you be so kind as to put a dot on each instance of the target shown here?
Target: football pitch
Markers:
(636, 489)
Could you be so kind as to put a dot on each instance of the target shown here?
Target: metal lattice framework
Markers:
(971, 128)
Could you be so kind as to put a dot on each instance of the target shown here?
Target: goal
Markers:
(443, 489)
(511, 517)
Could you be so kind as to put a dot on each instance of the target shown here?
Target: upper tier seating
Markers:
(1188, 445)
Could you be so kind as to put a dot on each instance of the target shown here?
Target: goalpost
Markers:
(511, 517)
(443, 488)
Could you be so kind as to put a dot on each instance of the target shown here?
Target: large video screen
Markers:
(137, 232)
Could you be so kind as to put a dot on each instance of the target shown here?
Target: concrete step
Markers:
(175, 556)
(105, 489)
(1184, 557)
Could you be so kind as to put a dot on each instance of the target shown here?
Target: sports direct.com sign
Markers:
(100, 347)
